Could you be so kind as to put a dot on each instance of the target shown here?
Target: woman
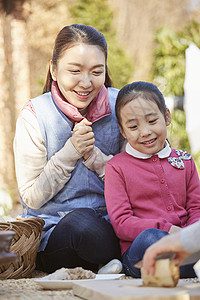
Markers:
(63, 140)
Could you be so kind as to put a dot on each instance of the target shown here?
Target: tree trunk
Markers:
(14, 83)
(20, 64)
(6, 99)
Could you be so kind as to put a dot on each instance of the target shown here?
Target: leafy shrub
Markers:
(97, 13)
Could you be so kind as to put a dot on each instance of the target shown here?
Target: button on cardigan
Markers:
(150, 193)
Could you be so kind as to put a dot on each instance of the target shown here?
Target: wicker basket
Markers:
(25, 243)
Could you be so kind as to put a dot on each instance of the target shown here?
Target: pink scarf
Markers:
(98, 108)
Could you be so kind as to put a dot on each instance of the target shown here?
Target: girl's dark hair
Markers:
(71, 35)
(145, 90)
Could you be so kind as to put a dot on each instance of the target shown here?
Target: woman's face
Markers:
(80, 74)
(144, 126)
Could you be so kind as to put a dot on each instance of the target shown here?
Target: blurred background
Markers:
(152, 40)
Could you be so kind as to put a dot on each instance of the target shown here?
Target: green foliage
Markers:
(197, 161)
(169, 57)
(119, 64)
(169, 62)
(178, 136)
(6, 202)
(192, 33)
(169, 75)
(96, 13)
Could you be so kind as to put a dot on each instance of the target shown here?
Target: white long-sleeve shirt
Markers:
(34, 172)
(190, 238)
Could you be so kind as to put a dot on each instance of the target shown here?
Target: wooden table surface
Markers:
(28, 289)
(133, 289)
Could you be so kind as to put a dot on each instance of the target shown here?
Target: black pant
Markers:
(82, 238)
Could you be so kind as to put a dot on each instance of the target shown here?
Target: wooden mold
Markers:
(132, 289)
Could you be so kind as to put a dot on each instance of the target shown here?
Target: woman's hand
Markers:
(169, 243)
(83, 138)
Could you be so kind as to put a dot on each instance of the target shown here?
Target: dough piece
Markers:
(166, 274)
(71, 274)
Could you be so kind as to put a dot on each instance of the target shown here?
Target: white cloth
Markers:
(165, 152)
(190, 237)
(192, 96)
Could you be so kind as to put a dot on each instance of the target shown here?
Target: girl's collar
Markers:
(165, 152)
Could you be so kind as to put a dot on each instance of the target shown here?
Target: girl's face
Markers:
(80, 74)
(144, 126)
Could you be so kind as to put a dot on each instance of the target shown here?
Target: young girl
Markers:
(63, 139)
(150, 189)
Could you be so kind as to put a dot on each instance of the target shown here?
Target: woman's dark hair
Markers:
(145, 90)
(71, 35)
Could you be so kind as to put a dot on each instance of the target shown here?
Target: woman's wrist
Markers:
(87, 155)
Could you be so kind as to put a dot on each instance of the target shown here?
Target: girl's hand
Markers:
(83, 138)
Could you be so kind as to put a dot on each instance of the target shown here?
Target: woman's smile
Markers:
(82, 95)
(80, 79)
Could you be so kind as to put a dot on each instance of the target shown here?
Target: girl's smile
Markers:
(149, 143)
(144, 126)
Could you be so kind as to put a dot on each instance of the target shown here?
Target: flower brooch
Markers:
(177, 162)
